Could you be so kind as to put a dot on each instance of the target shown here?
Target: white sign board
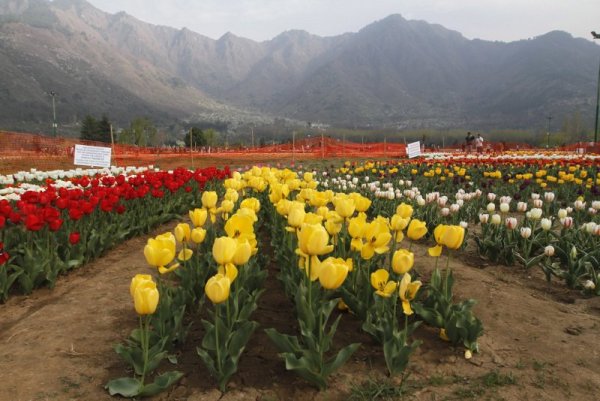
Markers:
(413, 149)
(93, 156)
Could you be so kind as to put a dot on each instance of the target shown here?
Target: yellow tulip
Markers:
(251, 203)
(217, 288)
(224, 249)
(231, 195)
(333, 227)
(140, 279)
(198, 217)
(399, 223)
(296, 215)
(313, 218)
(240, 226)
(158, 253)
(145, 298)
(383, 287)
(242, 253)
(198, 235)
(402, 261)
(185, 254)
(408, 291)
(182, 232)
(332, 273)
(228, 270)
(416, 229)
(313, 239)
(435, 251)
(209, 199)
(377, 237)
(405, 211)
(450, 236)
(357, 225)
(344, 206)
(362, 203)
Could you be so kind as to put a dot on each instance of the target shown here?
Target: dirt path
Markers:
(540, 342)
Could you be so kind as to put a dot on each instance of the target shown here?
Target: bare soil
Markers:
(540, 342)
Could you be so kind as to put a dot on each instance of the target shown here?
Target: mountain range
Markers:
(392, 73)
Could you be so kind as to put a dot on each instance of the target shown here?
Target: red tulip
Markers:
(74, 238)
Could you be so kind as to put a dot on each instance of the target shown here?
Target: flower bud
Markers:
(567, 222)
(579, 204)
(538, 203)
(484, 218)
(522, 207)
(491, 196)
(496, 219)
(549, 196)
(562, 213)
(535, 196)
(549, 250)
(504, 207)
(573, 253)
(491, 207)
(589, 285)
(546, 224)
(511, 223)
(525, 232)
(445, 211)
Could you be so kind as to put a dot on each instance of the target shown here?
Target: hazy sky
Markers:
(504, 20)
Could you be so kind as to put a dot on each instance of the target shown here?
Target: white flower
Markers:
(546, 224)
(522, 207)
(454, 208)
(548, 196)
(525, 232)
(538, 203)
(464, 224)
(496, 219)
(511, 223)
(567, 222)
(535, 196)
(573, 253)
(562, 213)
(442, 201)
(460, 202)
(549, 250)
(491, 207)
(589, 285)
(445, 211)
(579, 204)
(484, 218)
(596, 205)
(590, 227)
(505, 199)
(504, 207)
(535, 214)
(491, 196)
(421, 201)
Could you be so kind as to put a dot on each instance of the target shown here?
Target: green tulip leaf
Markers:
(161, 383)
(125, 386)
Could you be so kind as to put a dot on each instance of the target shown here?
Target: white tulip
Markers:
(546, 224)
(491, 207)
(549, 250)
(496, 219)
(504, 207)
(525, 232)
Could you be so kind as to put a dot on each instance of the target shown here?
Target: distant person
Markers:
(469, 142)
(479, 143)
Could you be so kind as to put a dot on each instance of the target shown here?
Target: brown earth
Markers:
(540, 342)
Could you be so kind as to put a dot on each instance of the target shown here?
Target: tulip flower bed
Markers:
(368, 258)
(54, 222)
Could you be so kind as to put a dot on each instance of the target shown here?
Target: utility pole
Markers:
(54, 125)
(596, 36)
(252, 132)
(548, 132)
(294, 146)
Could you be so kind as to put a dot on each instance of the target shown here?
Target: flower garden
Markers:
(441, 277)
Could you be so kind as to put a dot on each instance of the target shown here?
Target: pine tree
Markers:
(103, 129)
(89, 128)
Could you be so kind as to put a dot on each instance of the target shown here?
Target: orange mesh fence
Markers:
(22, 151)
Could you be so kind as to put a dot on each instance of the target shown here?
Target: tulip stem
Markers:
(145, 345)
(217, 339)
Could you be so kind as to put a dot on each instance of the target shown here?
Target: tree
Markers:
(103, 129)
(89, 127)
(197, 138)
(141, 132)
